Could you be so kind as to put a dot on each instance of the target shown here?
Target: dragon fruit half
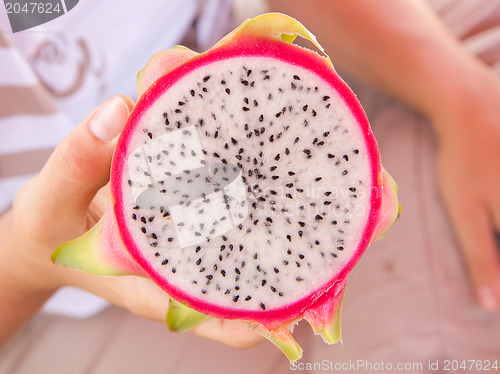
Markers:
(246, 183)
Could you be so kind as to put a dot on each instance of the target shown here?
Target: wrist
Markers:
(23, 268)
(464, 98)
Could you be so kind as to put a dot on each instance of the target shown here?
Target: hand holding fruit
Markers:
(64, 201)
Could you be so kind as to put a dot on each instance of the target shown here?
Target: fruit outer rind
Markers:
(99, 251)
(181, 318)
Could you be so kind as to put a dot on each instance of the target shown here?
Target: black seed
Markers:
(299, 279)
(318, 217)
(307, 151)
(325, 98)
(274, 177)
(301, 233)
(235, 299)
(345, 172)
(273, 289)
(248, 298)
(164, 262)
(237, 271)
(289, 185)
(296, 77)
(321, 143)
(209, 277)
(244, 82)
(296, 140)
(174, 270)
(170, 239)
(223, 272)
(198, 261)
(301, 224)
(293, 85)
(262, 306)
(318, 179)
(276, 270)
(206, 78)
(334, 222)
(345, 157)
(340, 248)
(261, 118)
(277, 157)
(143, 229)
(228, 91)
(269, 219)
(134, 216)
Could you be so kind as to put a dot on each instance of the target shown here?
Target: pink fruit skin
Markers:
(251, 46)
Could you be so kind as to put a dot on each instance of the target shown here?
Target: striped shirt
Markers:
(53, 75)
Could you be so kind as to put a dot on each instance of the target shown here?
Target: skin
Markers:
(453, 89)
(436, 76)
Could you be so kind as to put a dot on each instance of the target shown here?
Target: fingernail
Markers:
(108, 120)
(487, 298)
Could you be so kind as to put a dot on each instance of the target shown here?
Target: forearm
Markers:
(398, 46)
(20, 297)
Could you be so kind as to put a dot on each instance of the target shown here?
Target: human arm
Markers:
(404, 49)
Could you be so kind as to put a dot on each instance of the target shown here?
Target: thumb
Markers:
(80, 164)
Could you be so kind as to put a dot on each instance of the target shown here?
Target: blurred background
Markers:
(409, 298)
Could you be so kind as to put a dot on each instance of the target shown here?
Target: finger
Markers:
(79, 166)
(98, 206)
(144, 298)
(476, 234)
(236, 334)
(138, 295)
